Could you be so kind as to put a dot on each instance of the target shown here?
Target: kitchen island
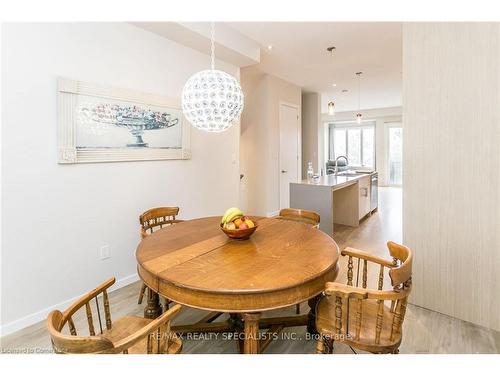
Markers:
(343, 199)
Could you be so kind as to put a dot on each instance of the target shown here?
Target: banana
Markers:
(231, 214)
(234, 216)
(227, 213)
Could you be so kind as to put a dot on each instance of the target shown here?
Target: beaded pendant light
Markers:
(212, 100)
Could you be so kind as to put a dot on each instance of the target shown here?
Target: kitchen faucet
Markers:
(336, 163)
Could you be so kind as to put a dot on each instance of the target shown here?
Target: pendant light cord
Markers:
(331, 58)
(359, 91)
(332, 50)
(212, 44)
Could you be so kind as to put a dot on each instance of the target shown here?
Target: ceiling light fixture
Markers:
(270, 47)
(331, 103)
(359, 115)
(331, 108)
(212, 100)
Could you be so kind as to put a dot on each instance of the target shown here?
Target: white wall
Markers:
(260, 139)
(56, 217)
(254, 153)
(383, 117)
(451, 167)
(311, 128)
(279, 91)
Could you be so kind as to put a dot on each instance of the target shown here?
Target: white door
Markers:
(289, 151)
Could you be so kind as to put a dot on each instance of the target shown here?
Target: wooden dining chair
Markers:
(152, 220)
(302, 216)
(128, 335)
(365, 318)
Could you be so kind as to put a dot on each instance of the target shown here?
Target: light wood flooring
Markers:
(424, 331)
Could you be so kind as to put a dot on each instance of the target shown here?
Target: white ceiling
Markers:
(299, 56)
(231, 46)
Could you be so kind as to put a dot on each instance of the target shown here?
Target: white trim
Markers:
(377, 113)
(272, 214)
(41, 315)
(68, 153)
(353, 123)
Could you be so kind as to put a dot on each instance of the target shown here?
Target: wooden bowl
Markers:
(239, 234)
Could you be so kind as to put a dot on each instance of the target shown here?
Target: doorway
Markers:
(395, 155)
(289, 155)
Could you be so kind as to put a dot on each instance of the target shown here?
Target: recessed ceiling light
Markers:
(334, 84)
(270, 47)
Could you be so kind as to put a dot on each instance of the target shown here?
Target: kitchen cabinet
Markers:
(364, 196)
(338, 199)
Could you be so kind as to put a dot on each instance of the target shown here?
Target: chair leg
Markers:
(141, 293)
(166, 304)
(330, 345)
(297, 309)
(324, 345)
(320, 346)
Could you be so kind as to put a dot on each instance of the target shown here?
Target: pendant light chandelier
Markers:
(212, 100)
(331, 104)
(359, 115)
(331, 108)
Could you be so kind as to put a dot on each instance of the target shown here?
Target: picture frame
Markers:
(98, 124)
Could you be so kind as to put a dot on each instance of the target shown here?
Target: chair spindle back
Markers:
(83, 344)
(296, 214)
(157, 218)
(356, 297)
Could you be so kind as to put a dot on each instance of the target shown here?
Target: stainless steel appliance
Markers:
(374, 194)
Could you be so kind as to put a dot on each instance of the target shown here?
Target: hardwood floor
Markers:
(425, 331)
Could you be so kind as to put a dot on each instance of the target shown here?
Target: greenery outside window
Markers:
(355, 141)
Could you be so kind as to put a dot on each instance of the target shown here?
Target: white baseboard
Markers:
(41, 315)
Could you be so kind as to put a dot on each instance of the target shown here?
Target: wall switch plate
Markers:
(104, 252)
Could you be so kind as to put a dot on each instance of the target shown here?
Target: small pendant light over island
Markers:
(359, 116)
(331, 103)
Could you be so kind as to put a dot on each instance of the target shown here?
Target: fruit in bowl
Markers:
(236, 225)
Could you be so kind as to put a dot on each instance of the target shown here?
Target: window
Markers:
(354, 141)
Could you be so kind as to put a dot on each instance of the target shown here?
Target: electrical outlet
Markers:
(104, 252)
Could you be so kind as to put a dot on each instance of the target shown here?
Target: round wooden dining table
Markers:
(195, 264)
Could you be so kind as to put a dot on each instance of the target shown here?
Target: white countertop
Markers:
(334, 181)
